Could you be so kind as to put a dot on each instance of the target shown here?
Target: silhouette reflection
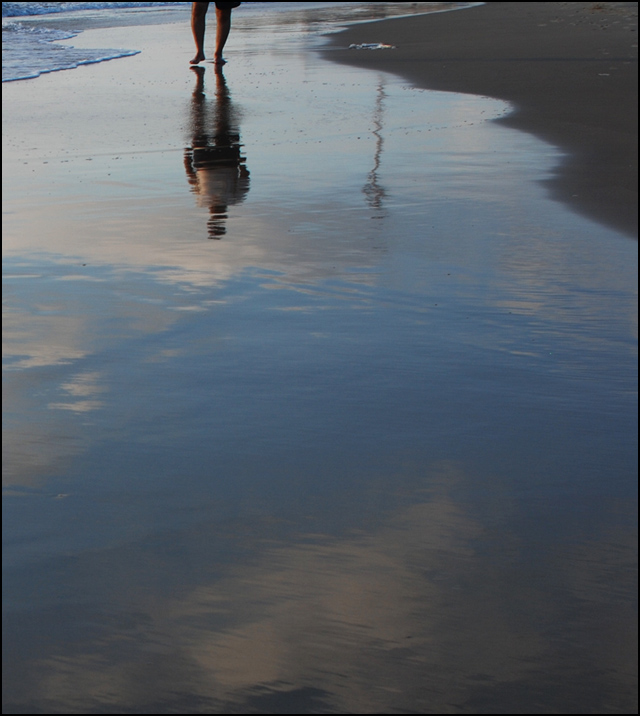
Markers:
(214, 163)
(373, 191)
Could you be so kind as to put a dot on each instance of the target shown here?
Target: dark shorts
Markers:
(227, 5)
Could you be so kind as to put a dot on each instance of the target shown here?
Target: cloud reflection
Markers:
(415, 613)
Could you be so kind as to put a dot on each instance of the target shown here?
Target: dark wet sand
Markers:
(570, 69)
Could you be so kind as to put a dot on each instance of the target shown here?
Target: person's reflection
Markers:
(215, 166)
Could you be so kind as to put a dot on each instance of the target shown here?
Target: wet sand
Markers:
(570, 69)
(314, 401)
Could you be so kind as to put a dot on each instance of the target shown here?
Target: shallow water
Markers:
(31, 31)
(314, 401)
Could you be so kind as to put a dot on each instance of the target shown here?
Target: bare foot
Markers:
(219, 61)
(198, 58)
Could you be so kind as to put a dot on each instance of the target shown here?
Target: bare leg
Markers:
(198, 15)
(223, 26)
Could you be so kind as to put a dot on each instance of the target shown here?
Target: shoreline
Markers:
(569, 70)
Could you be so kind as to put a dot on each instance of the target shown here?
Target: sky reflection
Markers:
(371, 450)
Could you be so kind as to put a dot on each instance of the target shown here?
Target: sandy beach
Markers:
(570, 70)
(320, 372)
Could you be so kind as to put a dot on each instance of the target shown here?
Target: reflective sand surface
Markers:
(313, 401)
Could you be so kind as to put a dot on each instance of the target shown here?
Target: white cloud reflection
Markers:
(412, 614)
